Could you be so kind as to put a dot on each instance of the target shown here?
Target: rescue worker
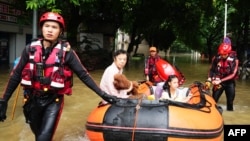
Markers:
(222, 74)
(150, 68)
(45, 71)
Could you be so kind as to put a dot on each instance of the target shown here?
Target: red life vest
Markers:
(226, 66)
(50, 74)
(150, 68)
(164, 69)
(150, 65)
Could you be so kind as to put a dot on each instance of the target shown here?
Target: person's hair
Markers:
(118, 52)
(170, 78)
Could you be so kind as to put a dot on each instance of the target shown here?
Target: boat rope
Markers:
(137, 107)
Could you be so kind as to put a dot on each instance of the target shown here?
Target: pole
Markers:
(225, 20)
(34, 35)
(122, 40)
(14, 105)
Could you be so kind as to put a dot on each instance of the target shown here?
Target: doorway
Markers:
(4, 48)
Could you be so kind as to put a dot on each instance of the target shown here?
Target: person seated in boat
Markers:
(172, 91)
(140, 89)
(107, 80)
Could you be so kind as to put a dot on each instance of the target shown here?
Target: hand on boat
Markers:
(109, 98)
(3, 109)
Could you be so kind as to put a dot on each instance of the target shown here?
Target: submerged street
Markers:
(78, 106)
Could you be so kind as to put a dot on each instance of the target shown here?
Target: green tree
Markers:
(197, 24)
(240, 26)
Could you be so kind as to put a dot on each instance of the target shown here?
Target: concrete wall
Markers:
(17, 38)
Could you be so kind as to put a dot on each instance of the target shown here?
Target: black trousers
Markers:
(229, 88)
(43, 114)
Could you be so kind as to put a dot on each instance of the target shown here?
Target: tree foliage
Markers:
(197, 24)
(49, 4)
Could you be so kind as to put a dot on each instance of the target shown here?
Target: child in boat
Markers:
(172, 91)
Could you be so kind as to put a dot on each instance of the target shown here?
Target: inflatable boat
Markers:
(158, 120)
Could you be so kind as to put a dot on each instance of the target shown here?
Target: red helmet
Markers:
(51, 16)
(224, 48)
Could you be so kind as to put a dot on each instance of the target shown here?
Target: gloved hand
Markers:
(216, 87)
(208, 84)
(109, 98)
(3, 109)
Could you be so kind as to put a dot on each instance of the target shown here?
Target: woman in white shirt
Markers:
(172, 91)
(107, 81)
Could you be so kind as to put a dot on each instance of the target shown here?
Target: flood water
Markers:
(77, 107)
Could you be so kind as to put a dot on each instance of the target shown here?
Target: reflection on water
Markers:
(77, 107)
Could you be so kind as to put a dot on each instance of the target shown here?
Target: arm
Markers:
(107, 80)
(230, 76)
(14, 80)
(233, 74)
(146, 69)
(15, 75)
(164, 95)
(72, 60)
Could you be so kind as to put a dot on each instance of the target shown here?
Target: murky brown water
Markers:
(77, 107)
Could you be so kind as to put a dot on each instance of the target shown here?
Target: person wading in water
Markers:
(45, 71)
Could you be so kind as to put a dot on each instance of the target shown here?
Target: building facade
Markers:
(13, 36)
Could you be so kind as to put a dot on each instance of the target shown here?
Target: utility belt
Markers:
(29, 93)
(37, 98)
(43, 94)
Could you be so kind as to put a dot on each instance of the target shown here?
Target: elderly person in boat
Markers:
(172, 91)
(107, 80)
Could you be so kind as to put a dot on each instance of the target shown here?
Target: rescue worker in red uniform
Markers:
(150, 68)
(45, 71)
(222, 74)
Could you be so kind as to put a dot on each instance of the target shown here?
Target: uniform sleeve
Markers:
(234, 71)
(146, 68)
(74, 63)
(15, 75)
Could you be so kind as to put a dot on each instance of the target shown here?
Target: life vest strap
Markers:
(43, 80)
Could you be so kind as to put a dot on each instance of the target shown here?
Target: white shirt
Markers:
(181, 95)
(107, 80)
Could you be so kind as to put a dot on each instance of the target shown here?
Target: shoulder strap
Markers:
(61, 55)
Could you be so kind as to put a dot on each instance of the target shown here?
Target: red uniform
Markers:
(150, 69)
